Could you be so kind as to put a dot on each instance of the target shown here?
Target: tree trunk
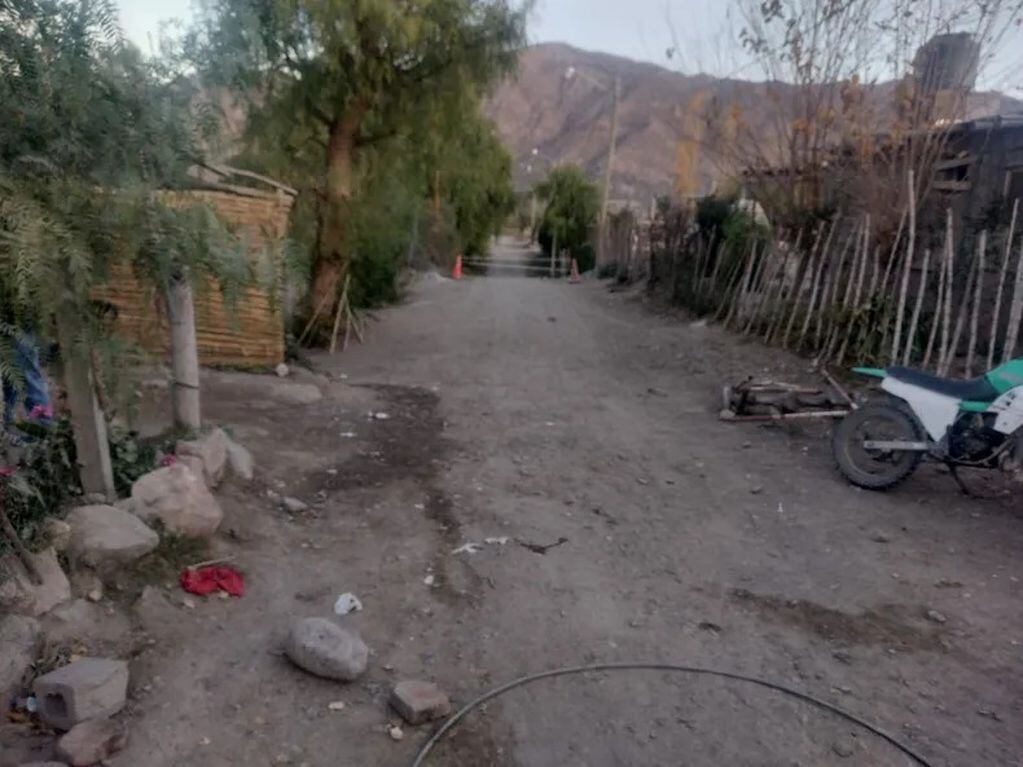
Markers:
(184, 357)
(331, 259)
(87, 421)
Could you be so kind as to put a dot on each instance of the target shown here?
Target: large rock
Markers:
(92, 742)
(211, 450)
(84, 622)
(179, 499)
(326, 649)
(19, 594)
(104, 536)
(19, 644)
(91, 688)
(240, 460)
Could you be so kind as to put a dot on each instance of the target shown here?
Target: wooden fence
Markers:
(249, 333)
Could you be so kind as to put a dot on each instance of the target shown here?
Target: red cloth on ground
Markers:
(207, 580)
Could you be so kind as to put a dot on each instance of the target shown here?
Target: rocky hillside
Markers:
(568, 118)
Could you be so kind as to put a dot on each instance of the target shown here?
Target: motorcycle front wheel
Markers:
(877, 469)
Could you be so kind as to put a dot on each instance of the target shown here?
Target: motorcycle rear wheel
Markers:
(877, 469)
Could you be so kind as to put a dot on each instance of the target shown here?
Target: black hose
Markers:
(460, 714)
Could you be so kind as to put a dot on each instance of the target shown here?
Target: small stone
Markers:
(337, 705)
(843, 748)
(989, 714)
(757, 489)
(419, 701)
(95, 595)
(81, 621)
(294, 505)
(842, 656)
(204, 741)
(188, 603)
(936, 617)
(395, 732)
(879, 537)
(325, 649)
(91, 688)
(92, 742)
(282, 370)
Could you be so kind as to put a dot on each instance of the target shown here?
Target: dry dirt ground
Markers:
(546, 412)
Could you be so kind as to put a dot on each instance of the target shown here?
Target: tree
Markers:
(348, 75)
(572, 203)
(93, 131)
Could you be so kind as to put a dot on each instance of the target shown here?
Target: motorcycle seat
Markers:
(975, 390)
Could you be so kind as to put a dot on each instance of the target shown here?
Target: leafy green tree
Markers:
(91, 130)
(571, 205)
(338, 77)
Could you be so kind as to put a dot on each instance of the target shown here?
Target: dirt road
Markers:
(544, 412)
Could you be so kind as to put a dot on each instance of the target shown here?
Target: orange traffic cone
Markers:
(574, 276)
(457, 274)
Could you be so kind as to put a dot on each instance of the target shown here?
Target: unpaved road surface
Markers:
(543, 412)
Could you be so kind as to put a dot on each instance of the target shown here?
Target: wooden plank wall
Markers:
(248, 334)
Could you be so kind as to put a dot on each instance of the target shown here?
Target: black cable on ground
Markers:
(476, 702)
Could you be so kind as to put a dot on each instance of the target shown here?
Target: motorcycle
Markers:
(974, 423)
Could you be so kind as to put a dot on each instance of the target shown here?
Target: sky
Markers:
(703, 30)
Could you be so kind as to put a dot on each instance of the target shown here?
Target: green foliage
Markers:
(571, 205)
(347, 97)
(46, 479)
(712, 212)
(130, 458)
(94, 129)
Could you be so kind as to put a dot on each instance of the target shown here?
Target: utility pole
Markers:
(612, 141)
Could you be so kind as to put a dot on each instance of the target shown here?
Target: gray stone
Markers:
(843, 748)
(937, 617)
(92, 742)
(91, 688)
(295, 393)
(19, 645)
(105, 536)
(179, 499)
(83, 622)
(211, 450)
(282, 370)
(85, 582)
(57, 533)
(419, 702)
(240, 460)
(19, 594)
(326, 649)
(294, 505)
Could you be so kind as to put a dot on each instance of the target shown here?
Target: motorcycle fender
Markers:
(935, 411)
(1009, 410)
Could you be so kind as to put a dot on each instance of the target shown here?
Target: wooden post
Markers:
(999, 295)
(901, 310)
(90, 428)
(946, 323)
(915, 321)
(977, 297)
(184, 356)
(822, 258)
(936, 322)
(805, 270)
(1015, 313)
(950, 354)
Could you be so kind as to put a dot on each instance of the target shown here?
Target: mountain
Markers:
(559, 103)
